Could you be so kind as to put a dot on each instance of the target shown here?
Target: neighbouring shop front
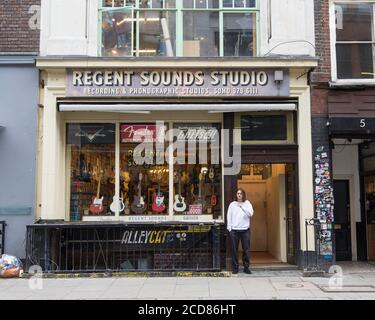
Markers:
(352, 134)
(138, 162)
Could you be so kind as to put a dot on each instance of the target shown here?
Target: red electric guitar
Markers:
(158, 200)
(96, 206)
(213, 199)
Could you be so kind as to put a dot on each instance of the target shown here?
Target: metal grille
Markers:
(118, 247)
(2, 236)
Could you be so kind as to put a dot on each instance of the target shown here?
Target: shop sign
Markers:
(141, 133)
(177, 83)
(90, 133)
(352, 125)
(152, 237)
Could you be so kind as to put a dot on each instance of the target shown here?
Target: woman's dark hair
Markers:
(243, 194)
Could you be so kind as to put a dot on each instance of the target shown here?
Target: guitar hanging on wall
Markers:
(96, 206)
(138, 206)
(200, 200)
(213, 199)
(179, 204)
(117, 203)
(158, 200)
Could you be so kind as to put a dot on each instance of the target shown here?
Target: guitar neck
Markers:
(98, 189)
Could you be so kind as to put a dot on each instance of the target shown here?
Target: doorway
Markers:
(342, 220)
(270, 189)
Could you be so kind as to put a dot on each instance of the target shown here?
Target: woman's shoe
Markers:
(247, 271)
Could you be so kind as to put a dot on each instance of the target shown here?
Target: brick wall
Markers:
(322, 41)
(16, 17)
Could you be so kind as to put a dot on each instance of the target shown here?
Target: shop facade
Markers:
(19, 46)
(343, 111)
(115, 194)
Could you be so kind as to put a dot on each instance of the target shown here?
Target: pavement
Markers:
(356, 282)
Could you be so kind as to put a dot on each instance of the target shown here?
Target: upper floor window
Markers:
(191, 28)
(355, 39)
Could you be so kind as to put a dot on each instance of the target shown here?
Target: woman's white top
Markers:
(238, 217)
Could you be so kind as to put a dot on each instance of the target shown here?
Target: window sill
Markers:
(351, 83)
(154, 219)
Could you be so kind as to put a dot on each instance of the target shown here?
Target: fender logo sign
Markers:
(90, 136)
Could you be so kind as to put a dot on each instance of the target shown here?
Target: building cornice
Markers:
(180, 62)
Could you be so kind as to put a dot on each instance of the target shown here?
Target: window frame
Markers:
(179, 10)
(334, 42)
(290, 129)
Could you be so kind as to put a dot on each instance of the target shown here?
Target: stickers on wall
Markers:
(323, 200)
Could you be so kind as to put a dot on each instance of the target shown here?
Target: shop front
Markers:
(140, 159)
(352, 133)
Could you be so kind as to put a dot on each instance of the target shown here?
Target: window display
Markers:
(197, 182)
(150, 182)
(91, 166)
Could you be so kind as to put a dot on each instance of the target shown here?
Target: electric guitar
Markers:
(158, 200)
(117, 203)
(138, 206)
(96, 206)
(213, 199)
(200, 199)
(179, 204)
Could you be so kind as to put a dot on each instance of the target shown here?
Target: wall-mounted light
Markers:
(279, 76)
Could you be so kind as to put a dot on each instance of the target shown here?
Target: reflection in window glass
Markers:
(154, 40)
(356, 22)
(201, 34)
(254, 128)
(117, 33)
(197, 187)
(91, 166)
(354, 61)
(144, 188)
(239, 34)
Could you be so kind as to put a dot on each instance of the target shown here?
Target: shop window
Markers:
(204, 28)
(355, 40)
(265, 129)
(148, 181)
(197, 182)
(144, 187)
(91, 169)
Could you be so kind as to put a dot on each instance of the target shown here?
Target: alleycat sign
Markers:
(178, 83)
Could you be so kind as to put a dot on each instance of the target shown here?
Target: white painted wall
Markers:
(70, 27)
(287, 27)
(345, 166)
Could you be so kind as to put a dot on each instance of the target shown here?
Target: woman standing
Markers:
(238, 225)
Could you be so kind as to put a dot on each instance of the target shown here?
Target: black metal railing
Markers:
(2, 237)
(120, 247)
(314, 225)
